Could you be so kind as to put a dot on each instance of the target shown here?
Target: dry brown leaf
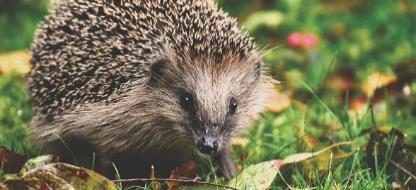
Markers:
(17, 61)
(187, 170)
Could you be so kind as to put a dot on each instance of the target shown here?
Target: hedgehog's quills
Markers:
(143, 82)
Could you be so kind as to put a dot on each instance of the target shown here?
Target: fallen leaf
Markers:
(295, 158)
(376, 80)
(278, 102)
(310, 141)
(17, 61)
(239, 141)
(259, 176)
(187, 170)
(323, 162)
(60, 176)
(37, 162)
(38, 180)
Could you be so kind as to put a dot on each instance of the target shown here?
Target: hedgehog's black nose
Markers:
(208, 145)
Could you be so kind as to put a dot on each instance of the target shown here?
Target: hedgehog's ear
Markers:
(158, 68)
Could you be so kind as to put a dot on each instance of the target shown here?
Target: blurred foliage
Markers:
(364, 35)
(18, 21)
(15, 113)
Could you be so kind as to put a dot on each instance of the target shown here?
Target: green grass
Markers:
(276, 137)
(362, 37)
(15, 113)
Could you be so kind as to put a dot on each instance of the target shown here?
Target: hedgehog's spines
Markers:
(88, 50)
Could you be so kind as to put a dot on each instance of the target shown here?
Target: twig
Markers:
(403, 169)
(194, 181)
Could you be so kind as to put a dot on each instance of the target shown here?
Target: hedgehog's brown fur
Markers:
(108, 74)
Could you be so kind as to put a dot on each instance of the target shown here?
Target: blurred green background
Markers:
(347, 66)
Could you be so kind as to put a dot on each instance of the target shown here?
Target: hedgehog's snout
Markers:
(208, 145)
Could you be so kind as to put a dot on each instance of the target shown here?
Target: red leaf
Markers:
(187, 170)
(45, 186)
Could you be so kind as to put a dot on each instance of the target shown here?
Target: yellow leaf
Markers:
(278, 102)
(258, 176)
(17, 61)
(238, 141)
(306, 155)
(311, 141)
(376, 80)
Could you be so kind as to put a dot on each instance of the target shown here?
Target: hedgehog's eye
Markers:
(187, 101)
(233, 105)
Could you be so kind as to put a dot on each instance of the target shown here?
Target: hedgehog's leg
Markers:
(225, 163)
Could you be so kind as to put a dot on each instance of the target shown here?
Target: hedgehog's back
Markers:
(87, 51)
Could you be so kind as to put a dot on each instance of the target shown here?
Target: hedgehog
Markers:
(144, 82)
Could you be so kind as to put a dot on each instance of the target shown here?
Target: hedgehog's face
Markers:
(208, 101)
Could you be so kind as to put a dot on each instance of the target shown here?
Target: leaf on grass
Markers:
(258, 176)
(323, 162)
(278, 102)
(376, 80)
(60, 176)
(295, 158)
(239, 141)
(187, 170)
(11, 162)
(17, 61)
(43, 180)
(310, 141)
(37, 162)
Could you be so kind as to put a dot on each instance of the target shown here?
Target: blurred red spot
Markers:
(358, 102)
(294, 39)
(303, 41)
(309, 41)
